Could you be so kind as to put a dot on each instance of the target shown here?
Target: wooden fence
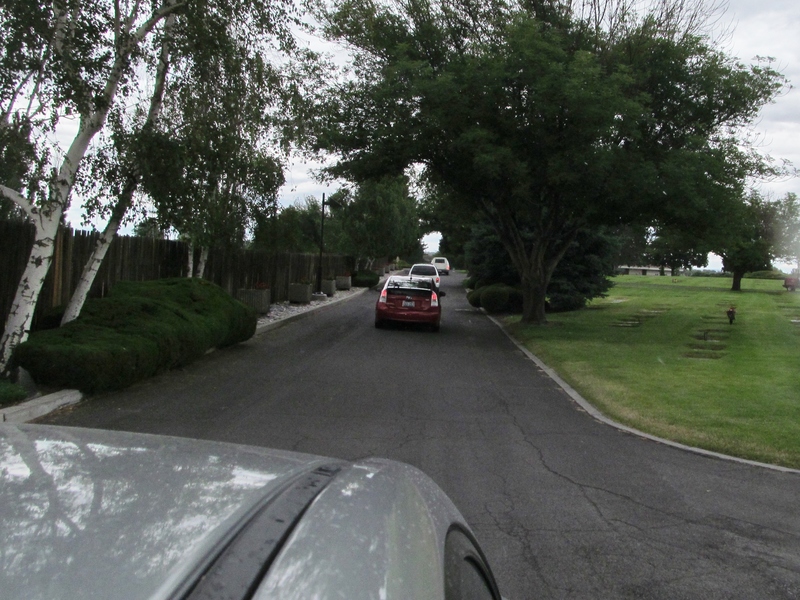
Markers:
(140, 259)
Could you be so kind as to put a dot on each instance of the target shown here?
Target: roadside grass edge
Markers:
(595, 413)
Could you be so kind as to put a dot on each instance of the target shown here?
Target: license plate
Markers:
(408, 304)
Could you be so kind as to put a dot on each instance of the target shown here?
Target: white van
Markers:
(442, 265)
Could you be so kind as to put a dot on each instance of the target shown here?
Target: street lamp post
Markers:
(321, 245)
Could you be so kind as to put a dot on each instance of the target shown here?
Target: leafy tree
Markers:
(210, 166)
(787, 228)
(752, 236)
(440, 212)
(581, 275)
(294, 228)
(17, 160)
(380, 218)
(632, 244)
(547, 130)
(149, 228)
(674, 250)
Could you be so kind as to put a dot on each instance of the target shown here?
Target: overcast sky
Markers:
(772, 28)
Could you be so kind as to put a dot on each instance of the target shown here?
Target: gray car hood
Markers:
(133, 514)
(104, 514)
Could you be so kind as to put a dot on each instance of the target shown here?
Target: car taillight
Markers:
(434, 299)
(383, 296)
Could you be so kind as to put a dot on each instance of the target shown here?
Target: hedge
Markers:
(140, 329)
(365, 279)
(496, 298)
(11, 393)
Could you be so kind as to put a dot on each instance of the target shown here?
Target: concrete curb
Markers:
(584, 404)
(32, 409)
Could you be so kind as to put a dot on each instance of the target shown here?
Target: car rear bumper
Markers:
(431, 317)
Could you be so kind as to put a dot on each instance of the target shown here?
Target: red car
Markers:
(410, 300)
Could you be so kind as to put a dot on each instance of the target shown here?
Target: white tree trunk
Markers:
(19, 319)
(201, 267)
(41, 256)
(91, 268)
(190, 261)
(125, 199)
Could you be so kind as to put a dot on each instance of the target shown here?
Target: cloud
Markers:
(769, 29)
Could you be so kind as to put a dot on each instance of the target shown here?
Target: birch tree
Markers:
(130, 182)
(63, 62)
(205, 32)
(209, 169)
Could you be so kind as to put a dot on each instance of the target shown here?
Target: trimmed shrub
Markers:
(140, 329)
(468, 282)
(365, 279)
(474, 298)
(494, 298)
(11, 392)
(709, 273)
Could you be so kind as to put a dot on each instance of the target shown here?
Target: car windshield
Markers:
(424, 270)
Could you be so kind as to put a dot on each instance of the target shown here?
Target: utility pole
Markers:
(321, 245)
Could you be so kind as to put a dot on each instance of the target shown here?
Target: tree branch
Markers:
(169, 8)
(17, 199)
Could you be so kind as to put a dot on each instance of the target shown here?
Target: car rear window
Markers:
(409, 287)
(424, 270)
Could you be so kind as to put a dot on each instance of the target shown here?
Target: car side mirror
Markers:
(442, 294)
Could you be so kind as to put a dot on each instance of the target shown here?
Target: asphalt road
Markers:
(564, 506)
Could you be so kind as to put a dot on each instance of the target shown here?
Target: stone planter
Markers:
(329, 287)
(300, 293)
(344, 282)
(258, 299)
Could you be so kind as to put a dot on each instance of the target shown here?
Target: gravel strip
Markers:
(283, 310)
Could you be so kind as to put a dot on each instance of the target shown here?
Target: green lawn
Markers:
(659, 355)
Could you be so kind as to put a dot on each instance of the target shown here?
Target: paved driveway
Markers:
(565, 506)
